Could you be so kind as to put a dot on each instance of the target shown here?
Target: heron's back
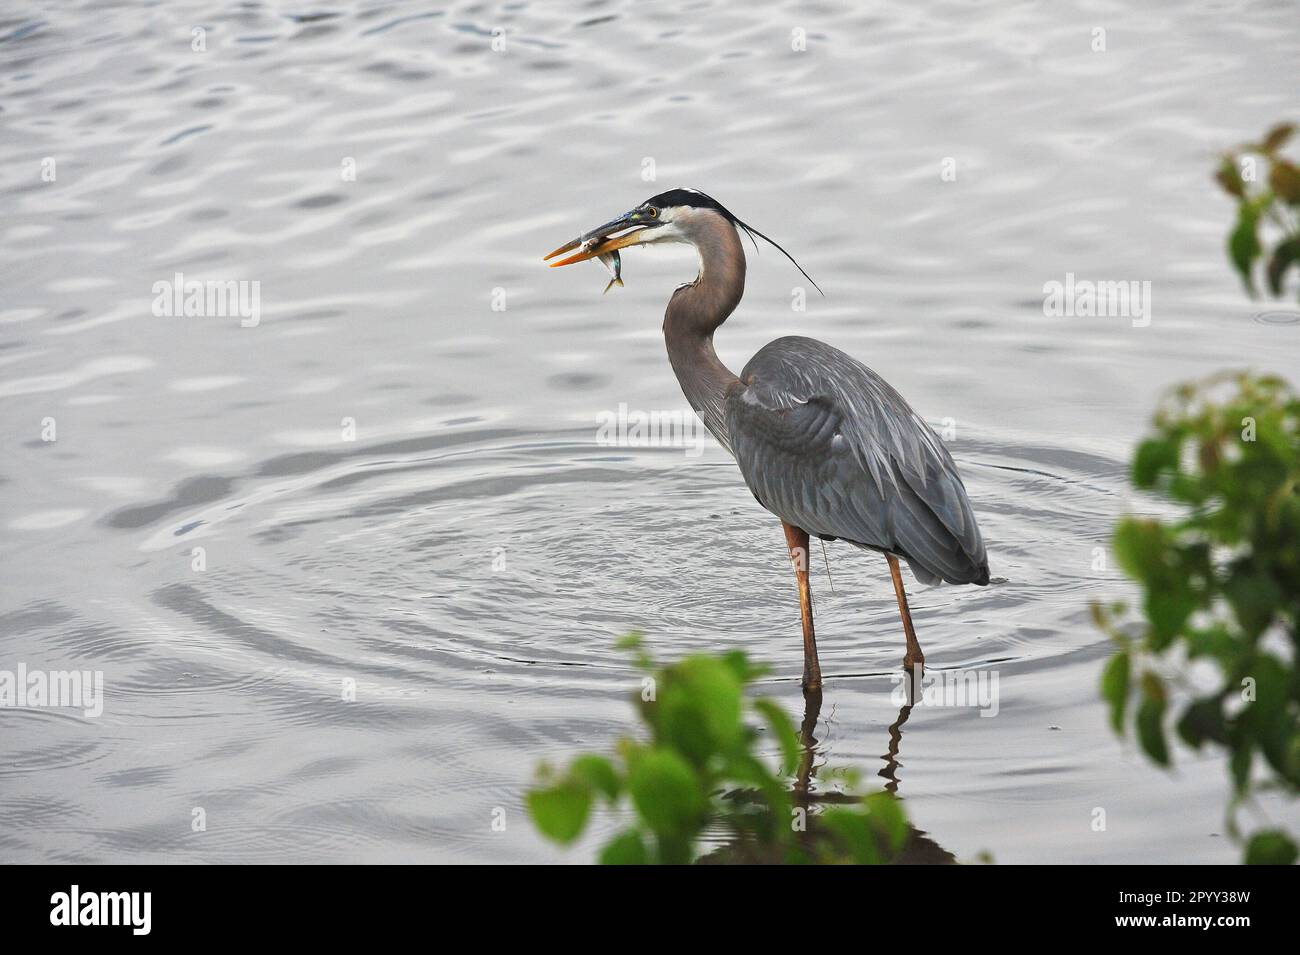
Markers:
(828, 445)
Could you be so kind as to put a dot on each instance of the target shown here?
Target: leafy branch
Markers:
(700, 755)
(1277, 203)
(1220, 585)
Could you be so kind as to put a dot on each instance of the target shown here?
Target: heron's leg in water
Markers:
(797, 540)
(914, 655)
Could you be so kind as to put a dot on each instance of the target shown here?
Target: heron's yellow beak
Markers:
(619, 234)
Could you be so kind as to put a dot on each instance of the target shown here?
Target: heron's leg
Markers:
(914, 655)
(796, 539)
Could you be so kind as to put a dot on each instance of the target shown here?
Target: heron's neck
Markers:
(695, 312)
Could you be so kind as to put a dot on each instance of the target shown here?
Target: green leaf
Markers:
(1229, 177)
(1151, 730)
(1270, 704)
(1276, 137)
(739, 663)
(783, 728)
(885, 811)
(1139, 548)
(667, 794)
(560, 811)
(1253, 597)
(853, 835)
(1239, 763)
(1154, 456)
(631, 642)
(1168, 606)
(1243, 244)
(699, 711)
(627, 848)
(634, 644)
(1284, 180)
(1114, 688)
(596, 773)
(1271, 847)
(1285, 255)
(1202, 722)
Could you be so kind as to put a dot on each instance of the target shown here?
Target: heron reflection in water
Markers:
(822, 441)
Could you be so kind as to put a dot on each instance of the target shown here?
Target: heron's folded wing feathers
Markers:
(827, 444)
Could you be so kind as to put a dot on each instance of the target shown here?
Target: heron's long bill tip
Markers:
(564, 248)
(595, 249)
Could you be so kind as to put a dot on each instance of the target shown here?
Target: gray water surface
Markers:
(465, 552)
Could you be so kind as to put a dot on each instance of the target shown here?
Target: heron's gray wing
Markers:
(826, 444)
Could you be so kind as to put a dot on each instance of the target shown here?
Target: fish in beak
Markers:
(614, 263)
(604, 242)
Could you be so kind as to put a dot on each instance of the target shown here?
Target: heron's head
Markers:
(678, 215)
(672, 216)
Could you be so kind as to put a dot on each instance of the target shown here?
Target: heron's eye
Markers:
(652, 212)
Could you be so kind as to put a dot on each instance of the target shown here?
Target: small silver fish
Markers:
(614, 263)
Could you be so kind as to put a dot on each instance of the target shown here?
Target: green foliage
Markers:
(1274, 202)
(1270, 848)
(1220, 583)
(700, 754)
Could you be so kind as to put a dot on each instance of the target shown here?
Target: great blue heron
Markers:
(823, 442)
